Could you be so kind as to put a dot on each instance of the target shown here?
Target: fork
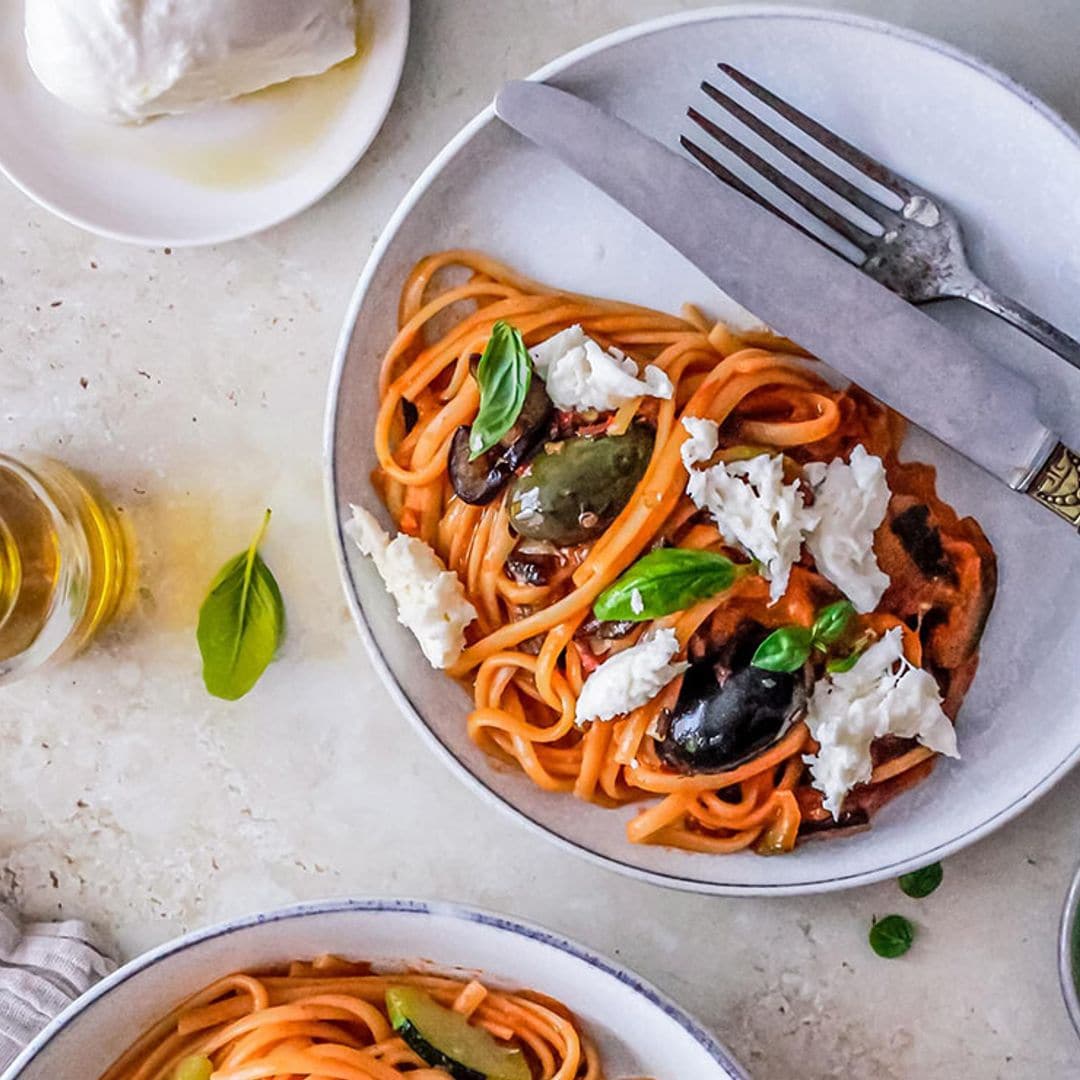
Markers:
(919, 252)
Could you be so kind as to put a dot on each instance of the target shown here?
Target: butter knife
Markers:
(980, 408)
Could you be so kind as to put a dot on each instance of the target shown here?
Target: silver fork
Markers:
(920, 252)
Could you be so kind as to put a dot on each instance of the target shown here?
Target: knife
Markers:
(985, 411)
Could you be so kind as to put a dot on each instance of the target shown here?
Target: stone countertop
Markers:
(192, 383)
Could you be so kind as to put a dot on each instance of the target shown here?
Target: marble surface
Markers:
(192, 383)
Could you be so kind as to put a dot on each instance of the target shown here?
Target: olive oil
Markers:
(258, 140)
(64, 563)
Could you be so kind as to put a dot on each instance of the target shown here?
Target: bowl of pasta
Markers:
(650, 576)
(376, 989)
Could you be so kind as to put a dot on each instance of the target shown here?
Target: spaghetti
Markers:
(534, 641)
(327, 1020)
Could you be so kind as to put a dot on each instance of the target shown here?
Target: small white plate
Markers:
(638, 1031)
(919, 106)
(214, 175)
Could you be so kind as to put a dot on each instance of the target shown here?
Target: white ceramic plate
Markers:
(920, 107)
(639, 1032)
(213, 175)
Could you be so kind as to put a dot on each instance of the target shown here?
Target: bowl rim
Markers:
(383, 905)
(1068, 965)
(401, 698)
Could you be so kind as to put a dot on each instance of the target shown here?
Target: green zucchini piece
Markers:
(446, 1040)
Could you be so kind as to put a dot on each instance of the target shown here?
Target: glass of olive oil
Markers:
(65, 563)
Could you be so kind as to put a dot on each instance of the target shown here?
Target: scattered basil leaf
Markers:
(786, 649)
(892, 936)
(504, 375)
(196, 1067)
(241, 623)
(921, 883)
(666, 580)
(839, 664)
(831, 623)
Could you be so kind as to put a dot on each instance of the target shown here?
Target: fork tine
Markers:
(837, 222)
(721, 172)
(840, 147)
(870, 206)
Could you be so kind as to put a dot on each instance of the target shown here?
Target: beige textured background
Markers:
(130, 797)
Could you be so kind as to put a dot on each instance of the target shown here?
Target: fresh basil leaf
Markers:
(831, 623)
(503, 375)
(839, 664)
(786, 649)
(921, 883)
(665, 580)
(892, 936)
(241, 623)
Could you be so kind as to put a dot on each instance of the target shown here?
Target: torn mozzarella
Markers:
(881, 695)
(750, 503)
(630, 678)
(430, 599)
(851, 500)
(580, 375)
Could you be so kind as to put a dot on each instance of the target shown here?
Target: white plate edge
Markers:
(401, 213)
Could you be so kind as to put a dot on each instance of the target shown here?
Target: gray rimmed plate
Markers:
(919, 106)
(637, 1030)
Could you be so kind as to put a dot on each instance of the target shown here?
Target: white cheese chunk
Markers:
(630, 678)
(581, 375)
(881, 695)
(750, 503)
(851, 501)
(128, 60)
(430, 599)
(637, 601)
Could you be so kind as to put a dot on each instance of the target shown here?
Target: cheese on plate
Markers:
(580, 375)
(750, 503)
(630, 678)
(128, 60)
(430, 599)
(851, 500)
(881, 695)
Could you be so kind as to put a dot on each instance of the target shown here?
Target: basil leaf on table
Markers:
(241, 623)
(666, 580)
(786, 649)
(831, 623)
(921, 883)
(892, 936)
(503, 375)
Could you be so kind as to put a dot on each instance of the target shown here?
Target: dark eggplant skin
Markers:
(715, 725)
(529, 569)
(479, 482)
(922, 541)
(575, 488)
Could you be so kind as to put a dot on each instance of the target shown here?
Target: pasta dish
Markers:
(334, 1019)
(675, 565)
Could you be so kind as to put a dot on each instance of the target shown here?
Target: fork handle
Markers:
(1035, 326)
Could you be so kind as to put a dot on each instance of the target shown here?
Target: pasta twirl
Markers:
(534, 641)
(327, 1020)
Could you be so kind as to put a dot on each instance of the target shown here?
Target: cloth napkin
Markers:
(44, 966)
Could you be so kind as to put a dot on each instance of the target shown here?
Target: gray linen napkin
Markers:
(43, 968)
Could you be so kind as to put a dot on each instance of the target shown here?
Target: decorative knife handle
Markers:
(1057, 484)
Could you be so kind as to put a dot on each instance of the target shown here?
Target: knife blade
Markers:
(912, 363)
